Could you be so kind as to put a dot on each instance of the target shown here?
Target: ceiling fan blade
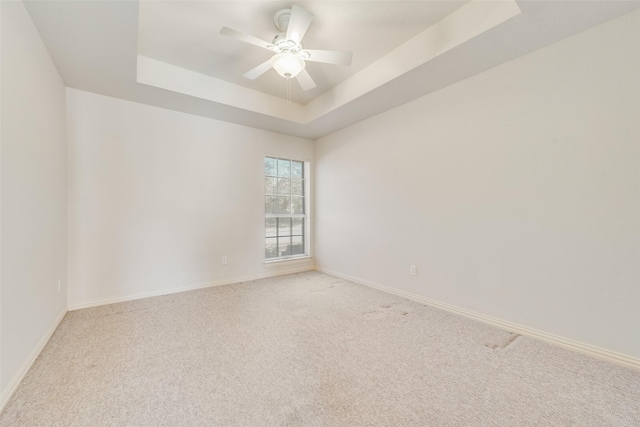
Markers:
(246, 38)
(305, 80)
(329, 56)
(258, 71)
(299, 22)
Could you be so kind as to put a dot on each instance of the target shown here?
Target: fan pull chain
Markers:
(288, 94)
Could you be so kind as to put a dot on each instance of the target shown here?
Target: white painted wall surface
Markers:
(157, 198)
(33, 248)
(516, 193)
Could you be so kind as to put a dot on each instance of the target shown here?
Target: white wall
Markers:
(516, 192)
(157, 198)
(33, 249)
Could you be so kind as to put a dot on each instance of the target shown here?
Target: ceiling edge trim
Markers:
(170, 77)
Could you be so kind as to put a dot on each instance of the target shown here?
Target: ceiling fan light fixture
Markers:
(287, 64)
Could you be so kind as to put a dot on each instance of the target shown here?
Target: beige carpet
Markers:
(308, 350)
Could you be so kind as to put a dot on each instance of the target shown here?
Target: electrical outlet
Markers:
(412, 270)
(59, 285)
(224, 260)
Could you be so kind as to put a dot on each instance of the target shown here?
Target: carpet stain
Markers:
(389, 308)
(510, 339)
(391, 304)
(374, 314)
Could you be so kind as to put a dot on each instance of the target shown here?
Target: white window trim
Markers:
(294, 259)
(307, 215)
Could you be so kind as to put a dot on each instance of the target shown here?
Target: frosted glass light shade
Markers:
(287, 64)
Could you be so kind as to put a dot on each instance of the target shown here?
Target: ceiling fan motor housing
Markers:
(281, 42)
(281, 19)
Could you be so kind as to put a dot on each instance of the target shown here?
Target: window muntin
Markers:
(285, 208)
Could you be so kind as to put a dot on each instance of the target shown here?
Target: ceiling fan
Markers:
(290, 56)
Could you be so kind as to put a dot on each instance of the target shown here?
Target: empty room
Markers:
(319, 213)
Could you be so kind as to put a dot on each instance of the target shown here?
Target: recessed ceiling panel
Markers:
(186, 34)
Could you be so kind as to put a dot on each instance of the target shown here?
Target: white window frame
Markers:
(306, 216)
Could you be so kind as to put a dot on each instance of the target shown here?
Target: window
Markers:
(285, 208)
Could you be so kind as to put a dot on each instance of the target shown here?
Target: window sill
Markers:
(292, 260)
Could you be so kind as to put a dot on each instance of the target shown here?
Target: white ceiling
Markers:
(95, 45)
(186, 34)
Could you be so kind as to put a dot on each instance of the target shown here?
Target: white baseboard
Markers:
(597, 352)
(229, 281)
(19, 376)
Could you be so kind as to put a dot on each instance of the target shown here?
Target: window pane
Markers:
(284, 186)
(284, 205)
(284, 196)
(270, 185)
(269, 166)
(297, 246)
(271, 247)
(285, 246)
(284, 168)
(271, 227)
(297, 227)
(296, 169)
(297, 187)
(270, 205)
(284, 228)
(297, 205)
